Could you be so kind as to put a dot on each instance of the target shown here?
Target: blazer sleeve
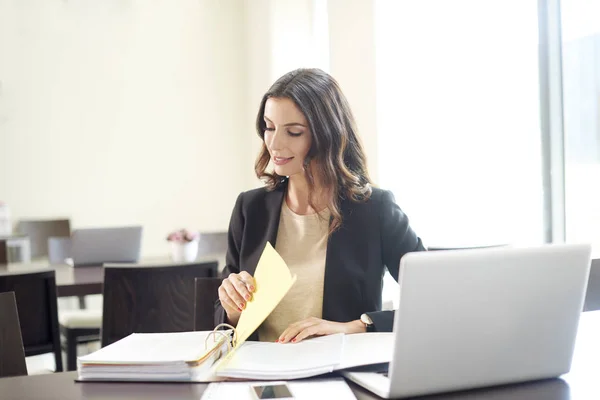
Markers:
(397, 239)
(232, 258)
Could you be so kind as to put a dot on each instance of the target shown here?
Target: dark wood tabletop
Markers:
(581, 383)
(63, 386)
(70, 281)
(83, 281)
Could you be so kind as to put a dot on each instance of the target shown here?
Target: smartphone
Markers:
(274, 391)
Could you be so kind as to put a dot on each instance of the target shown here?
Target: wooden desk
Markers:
(580, 384)
(70, 281)
(62, 386)
(83, 281)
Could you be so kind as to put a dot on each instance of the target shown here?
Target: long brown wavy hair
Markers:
(340, 161)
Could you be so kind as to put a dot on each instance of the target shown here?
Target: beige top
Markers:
(302, 243)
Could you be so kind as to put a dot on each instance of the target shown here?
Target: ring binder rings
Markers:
(229, 337)
(232, 342)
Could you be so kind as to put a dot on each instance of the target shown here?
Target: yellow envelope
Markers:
(272, 281)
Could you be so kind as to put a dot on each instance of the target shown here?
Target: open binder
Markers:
(173, 358)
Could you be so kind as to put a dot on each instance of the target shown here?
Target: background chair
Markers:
(12, 356)
(592, 297)
(59, 250)
(150, 299)
(206, 295)
(211, 243)
(35, 294)
(40, 230)
(78, 327)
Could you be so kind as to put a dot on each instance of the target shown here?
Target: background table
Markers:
(83, 281)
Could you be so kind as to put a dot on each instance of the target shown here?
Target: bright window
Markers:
(581, 103)
(458, 118)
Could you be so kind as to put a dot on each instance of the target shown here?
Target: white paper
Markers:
(153, 348)
(302, 390)
(367, 349)
(154, 357)
(266, 360)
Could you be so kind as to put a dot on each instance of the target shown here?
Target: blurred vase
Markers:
(184, 251)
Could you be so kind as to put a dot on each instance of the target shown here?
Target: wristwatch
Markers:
(365, 319)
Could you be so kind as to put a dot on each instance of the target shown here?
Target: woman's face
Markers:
(287, 136)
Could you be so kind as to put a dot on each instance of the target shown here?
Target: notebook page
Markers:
(152, 348)
(266, 357)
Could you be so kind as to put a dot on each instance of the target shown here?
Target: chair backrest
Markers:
(12, 357)
(40, 230)
(204, 308)
(146, 299)
(37, 306)
(592, 297)
(59, 249)
(211, 243)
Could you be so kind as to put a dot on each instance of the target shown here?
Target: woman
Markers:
(318, 209)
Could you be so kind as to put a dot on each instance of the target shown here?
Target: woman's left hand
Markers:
(310, 327)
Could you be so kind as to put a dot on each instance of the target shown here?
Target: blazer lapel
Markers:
(268, 222)
(274, 203)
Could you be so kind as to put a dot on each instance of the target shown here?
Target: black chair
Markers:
(40, 230)
(206, 295)
(78, 327)
(150, 299)
(12, 356)
(36, 303)
(592, 297)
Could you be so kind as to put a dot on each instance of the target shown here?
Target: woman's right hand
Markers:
(234, 292)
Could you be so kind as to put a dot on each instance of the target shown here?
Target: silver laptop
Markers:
(106, 245)
(475, 318)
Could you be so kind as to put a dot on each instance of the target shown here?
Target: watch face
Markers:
(366, 319)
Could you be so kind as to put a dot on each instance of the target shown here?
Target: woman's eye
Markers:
(295, 133)
(269, 129)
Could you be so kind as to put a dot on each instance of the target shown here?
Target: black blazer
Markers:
(373, 235)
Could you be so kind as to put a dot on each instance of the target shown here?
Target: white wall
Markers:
(138, 112)
(352, 59)
(115, 113)
(281, 35)
(258, 56)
